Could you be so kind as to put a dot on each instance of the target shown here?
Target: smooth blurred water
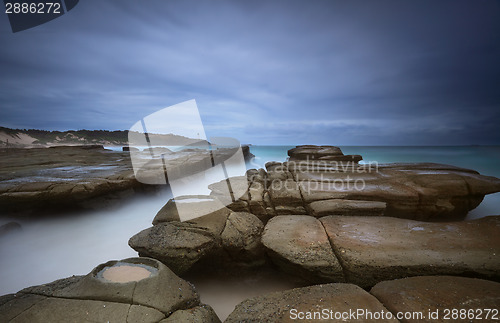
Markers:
(49, 249)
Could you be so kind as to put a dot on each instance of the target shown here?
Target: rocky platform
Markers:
(84, 176)
(313, 226)
(130, 290)
(416, 299)
(303, 217)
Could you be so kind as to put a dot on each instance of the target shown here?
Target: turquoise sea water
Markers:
(484, 159)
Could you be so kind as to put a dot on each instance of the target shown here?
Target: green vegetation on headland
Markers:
(34, 137)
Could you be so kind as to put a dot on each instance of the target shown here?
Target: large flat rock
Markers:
(61, 176)
(373, 249)
(441, 298)
(320, 303)
(89, 176)
(298, 244)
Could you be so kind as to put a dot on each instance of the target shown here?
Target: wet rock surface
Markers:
(90, 176)
(441, 294)
(93, 298)
(65, 176)
(286, 306)
(298, 244)
(371, 249)
(415, 299)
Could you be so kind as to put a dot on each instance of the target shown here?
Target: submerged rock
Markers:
(97, 297)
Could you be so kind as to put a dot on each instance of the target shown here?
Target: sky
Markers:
(264, 72)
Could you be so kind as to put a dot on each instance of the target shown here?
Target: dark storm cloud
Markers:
(338, 72)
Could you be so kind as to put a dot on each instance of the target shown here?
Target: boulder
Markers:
(177, 244)
(241, 237)
(299, 245)
(468, 298)
(374, 249)
(130, 290)
(330, 302)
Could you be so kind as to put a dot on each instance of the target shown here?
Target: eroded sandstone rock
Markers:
(374, 249)
(290, 305)
(178, 244)
(468, 297)
(98, 298)
(241, 237)
(299, 245)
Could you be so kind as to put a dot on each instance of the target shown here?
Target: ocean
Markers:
(51, 248)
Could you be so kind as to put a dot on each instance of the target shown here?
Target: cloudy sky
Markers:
(264, 72)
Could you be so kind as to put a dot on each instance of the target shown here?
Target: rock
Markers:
(256, 203)
(299, 245)
(241, 237)
(285, 193)
(61, 177)
(182, 244)
(428, 294)
(331, 300)
(374, 249)
(130, 290)
(229, 190)
(17, 305)
(326, 153)
(413, 191)
(58, 178)
(346, 207)
(203, 314)
(316, 187)
(72, 310)
(204, 211)
(247, 155)
(179, 245)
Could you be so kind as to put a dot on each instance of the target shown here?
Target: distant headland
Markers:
(26, 138)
